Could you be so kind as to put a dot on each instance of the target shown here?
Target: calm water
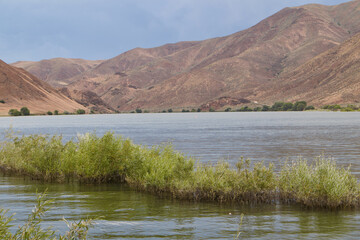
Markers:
(209, 137)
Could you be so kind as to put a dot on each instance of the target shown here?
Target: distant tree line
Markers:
(24, 111)
(337, 107)
(277, 106)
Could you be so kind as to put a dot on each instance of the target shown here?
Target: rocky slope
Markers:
(330, 78)
(19, 88)
(57, 71)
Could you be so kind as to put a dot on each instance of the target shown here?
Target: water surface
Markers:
(128, 214)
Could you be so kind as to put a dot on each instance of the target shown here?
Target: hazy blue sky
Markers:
(101, 29)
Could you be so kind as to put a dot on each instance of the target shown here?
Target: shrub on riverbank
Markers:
(163, 171)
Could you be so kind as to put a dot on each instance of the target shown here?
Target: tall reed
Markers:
(318, 184)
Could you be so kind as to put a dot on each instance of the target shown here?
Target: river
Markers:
(209, 137)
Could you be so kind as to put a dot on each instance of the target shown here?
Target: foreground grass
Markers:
(32, 229)
(163, 171)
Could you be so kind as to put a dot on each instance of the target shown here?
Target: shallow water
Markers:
(209, 137)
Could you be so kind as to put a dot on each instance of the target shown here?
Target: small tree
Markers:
(56, 112)
(287, 106)
(170, 110)
(277, 106)
(14, 112)
(25, 111)
(299, 106)
(199, 110)
(80, 111)
(138, 110)
(265, 108)
(228, 110)
(49, 113)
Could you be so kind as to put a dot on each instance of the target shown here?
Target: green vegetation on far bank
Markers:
(163, 171)
(24, 111)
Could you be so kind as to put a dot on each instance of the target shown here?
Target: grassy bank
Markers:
(163, 171)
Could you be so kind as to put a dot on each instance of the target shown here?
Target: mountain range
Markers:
(302, 53)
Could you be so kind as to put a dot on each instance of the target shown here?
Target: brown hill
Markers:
(330, 78)
(228, 70)
(57, 71)
(19, 88)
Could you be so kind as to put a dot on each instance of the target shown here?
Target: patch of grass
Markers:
(164, 171)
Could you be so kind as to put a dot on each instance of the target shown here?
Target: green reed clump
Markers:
(162, 170)
(319, 184)
(35, 155)
(96, 159)
(158, 169)
(32, 229)
(223, 183)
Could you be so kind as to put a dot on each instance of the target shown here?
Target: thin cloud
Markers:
(37, 29)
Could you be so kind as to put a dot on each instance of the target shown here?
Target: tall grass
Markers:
(163, 171)
(319, 184)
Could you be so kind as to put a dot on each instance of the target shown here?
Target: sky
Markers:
(33, 30)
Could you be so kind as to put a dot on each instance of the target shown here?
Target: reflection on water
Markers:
(128, 214)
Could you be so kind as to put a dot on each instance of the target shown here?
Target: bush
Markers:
(49, 113)
(14, 112)
(265, 108)
(138, 110)
(287, 106)
(170, 110)
(310, 108)
(2, 101)
(211, 110)
(25, 111)
(199, 110)
(299, 106)
(228, 110)
(56, 112)
(66, 113)
(277, 106)
(80, 111)
(245, 109)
